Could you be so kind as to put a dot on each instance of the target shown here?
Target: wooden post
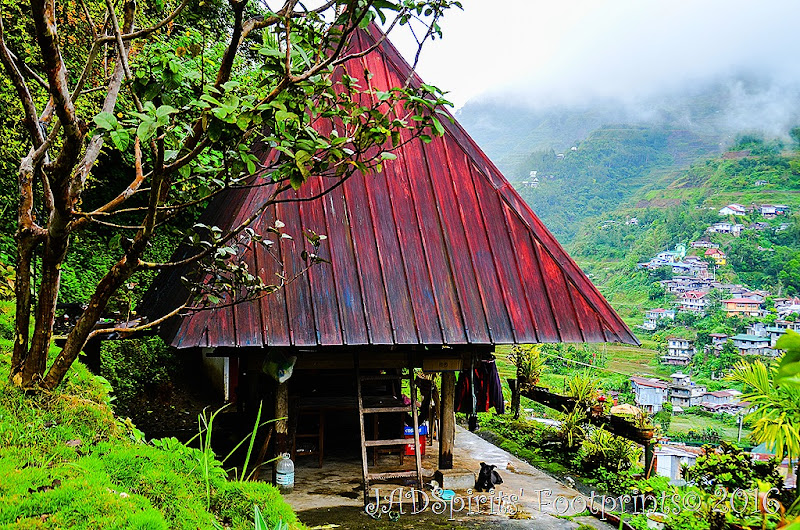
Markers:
(282, 444)
(514, 385)
(447, 433)
(648, 459)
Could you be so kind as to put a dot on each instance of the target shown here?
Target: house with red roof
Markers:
(717, 255)
(742, 307)
(694, 301)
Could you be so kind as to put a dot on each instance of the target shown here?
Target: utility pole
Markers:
(740, 420)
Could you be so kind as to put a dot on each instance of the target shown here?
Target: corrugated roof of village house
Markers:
(439, 249)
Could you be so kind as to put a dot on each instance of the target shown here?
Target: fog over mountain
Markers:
(715, 110)
(715, 67)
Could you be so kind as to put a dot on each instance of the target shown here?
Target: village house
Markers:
(694, 301)
(653, 316)
(718, 340)
(753, 345)
(670, 459)
(683, 268)
(428, 265)
(659, 313)
(718, 397)
(679, 346)
(683, 392)
(682, 284)
(734, 229)
(650, 393)
(758, 329)
(771, 211)
(742, 307)
(787, 306)
(703, 242)
(532, 182)
(787, 324)
(758, 226)
(733, 209)
(723, 401)
(761, 182)
(717, 255)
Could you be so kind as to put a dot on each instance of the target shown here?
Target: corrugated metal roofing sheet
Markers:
(439, 249)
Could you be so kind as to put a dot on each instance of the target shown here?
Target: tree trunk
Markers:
(515, 396)
(22, 318)
(55, 250)
(76, 339)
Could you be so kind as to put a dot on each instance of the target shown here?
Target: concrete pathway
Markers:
(332, 494)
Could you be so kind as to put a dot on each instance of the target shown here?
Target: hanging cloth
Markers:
(485, 387)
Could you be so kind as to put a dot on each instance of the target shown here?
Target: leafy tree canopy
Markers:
(178, 93)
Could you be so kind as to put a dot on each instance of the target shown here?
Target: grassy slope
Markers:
(686, 422)
(67, 462)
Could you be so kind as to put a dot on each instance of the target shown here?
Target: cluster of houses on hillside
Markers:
(768, 211)
(759, 339)
(693, 282)
(680, 263)
(692, 293)
(651, 394)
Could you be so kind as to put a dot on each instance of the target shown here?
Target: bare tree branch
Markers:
(147, 31)
(96, 143)
(36, 77)
(23, 93)
(127, 331)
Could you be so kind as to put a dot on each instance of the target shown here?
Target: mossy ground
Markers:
(67, 462)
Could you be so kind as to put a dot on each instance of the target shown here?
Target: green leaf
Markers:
(437, 125)
(165, 110)
(146, 129)
(789, 367)
(106, 121)
(388, 156)
(121, 139)
(296, 178)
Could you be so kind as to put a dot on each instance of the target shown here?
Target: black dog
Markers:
(487, 478)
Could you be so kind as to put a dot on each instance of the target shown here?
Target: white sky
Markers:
(554, 51)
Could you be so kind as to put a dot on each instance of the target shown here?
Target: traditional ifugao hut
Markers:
(432, 263)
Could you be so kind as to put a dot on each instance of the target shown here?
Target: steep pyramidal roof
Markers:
(439, 249)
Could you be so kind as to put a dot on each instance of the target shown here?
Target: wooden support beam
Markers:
(613, 424)
(447, 434)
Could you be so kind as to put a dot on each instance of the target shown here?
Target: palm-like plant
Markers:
(603, 449)
(583, 388)
(529, 363)
(571, 431)
(775, 409)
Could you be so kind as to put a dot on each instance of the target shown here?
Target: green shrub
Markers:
(135, 368)
(67, 462)
(234, 502)
(686, 520)
(602, 449)
(6, 324)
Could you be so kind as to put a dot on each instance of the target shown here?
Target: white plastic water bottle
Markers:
(284, 473)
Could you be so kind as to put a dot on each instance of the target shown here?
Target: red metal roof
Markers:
(741, 301)
(438, 249)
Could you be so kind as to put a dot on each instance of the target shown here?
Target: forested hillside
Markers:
(680, 208)
(607, 168)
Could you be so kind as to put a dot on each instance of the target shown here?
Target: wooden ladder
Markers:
(402, 442)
